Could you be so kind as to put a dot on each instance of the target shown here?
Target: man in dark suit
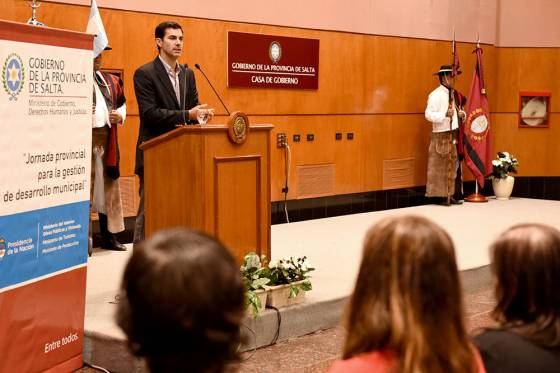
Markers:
(167, 97)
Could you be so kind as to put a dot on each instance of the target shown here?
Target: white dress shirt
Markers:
(101, 116)
(173, 74)
(436, 110)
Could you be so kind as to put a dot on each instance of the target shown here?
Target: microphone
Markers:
(208, 80)
(183, 104)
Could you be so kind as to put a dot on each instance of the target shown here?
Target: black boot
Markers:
(108, 239)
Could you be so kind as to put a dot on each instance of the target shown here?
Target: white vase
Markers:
(503, 187)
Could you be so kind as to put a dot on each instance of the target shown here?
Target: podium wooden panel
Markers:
(195, 177)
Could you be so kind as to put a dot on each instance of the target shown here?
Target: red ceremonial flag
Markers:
(477, 141)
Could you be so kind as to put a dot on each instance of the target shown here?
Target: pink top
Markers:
(379, 362)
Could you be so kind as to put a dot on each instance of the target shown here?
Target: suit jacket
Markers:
(157, 103)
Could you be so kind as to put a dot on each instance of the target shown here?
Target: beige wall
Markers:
(507, 23)
(528, 23)
(430, 19)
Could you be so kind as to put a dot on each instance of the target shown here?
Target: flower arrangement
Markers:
(255, 277)
(293, 271)
(260, 276)
(505, 164)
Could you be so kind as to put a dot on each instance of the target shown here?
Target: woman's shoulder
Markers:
(503, 350)
(371, 362)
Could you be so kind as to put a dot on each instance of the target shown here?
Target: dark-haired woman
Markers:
(526, 266)
(405, 314)
(182, 303)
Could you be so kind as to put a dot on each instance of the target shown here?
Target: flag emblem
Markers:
(13, 76)
(479, 124)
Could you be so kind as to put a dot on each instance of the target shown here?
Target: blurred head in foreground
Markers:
(526, 266)
(182, 303)
(407, 300)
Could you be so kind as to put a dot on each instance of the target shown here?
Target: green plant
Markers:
(505, 164)
(293, 271)
(255, 277)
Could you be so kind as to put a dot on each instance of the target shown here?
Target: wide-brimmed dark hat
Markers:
(447, 69)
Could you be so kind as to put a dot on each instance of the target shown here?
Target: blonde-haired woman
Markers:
(405, 314)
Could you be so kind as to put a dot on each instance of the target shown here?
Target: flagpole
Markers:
(450, 145)
(477, 197)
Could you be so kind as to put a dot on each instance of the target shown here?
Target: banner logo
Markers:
(275, 51)
(13, 76)
(2, 247)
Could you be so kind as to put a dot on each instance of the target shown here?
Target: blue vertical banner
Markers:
(45, 160)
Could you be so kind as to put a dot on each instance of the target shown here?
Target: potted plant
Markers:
(255, 278)
(289, 280)
(502, 181)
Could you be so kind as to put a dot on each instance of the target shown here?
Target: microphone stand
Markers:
(184, 104)
(238, 123)
(215, 92)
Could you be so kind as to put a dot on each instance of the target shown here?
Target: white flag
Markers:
(95, 26)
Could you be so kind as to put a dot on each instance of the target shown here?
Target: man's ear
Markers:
(159, 42)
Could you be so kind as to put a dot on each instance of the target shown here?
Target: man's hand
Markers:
(193, 113)
(462, 115)
(211, 114)
(115, 117)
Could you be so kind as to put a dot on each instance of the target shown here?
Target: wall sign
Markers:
(266, 61)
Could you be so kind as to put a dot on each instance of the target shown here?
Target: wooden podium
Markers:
(196, 177)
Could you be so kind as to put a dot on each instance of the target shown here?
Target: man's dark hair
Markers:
(182, 302)
(160, 29)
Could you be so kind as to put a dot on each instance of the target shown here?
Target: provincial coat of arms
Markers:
(13, 75)
(275, 51)
(238, 127)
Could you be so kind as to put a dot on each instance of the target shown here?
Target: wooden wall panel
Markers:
(373, 86)
(536, 148)
(525, 69)
(358, 162)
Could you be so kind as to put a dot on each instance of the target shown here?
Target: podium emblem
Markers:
(238, 127)
(275, 51)
(13, 75)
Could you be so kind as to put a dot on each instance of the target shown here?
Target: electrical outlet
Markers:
(338, 136)
(297, 138)
(350, 136)
(310, 137)
(281, 140)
